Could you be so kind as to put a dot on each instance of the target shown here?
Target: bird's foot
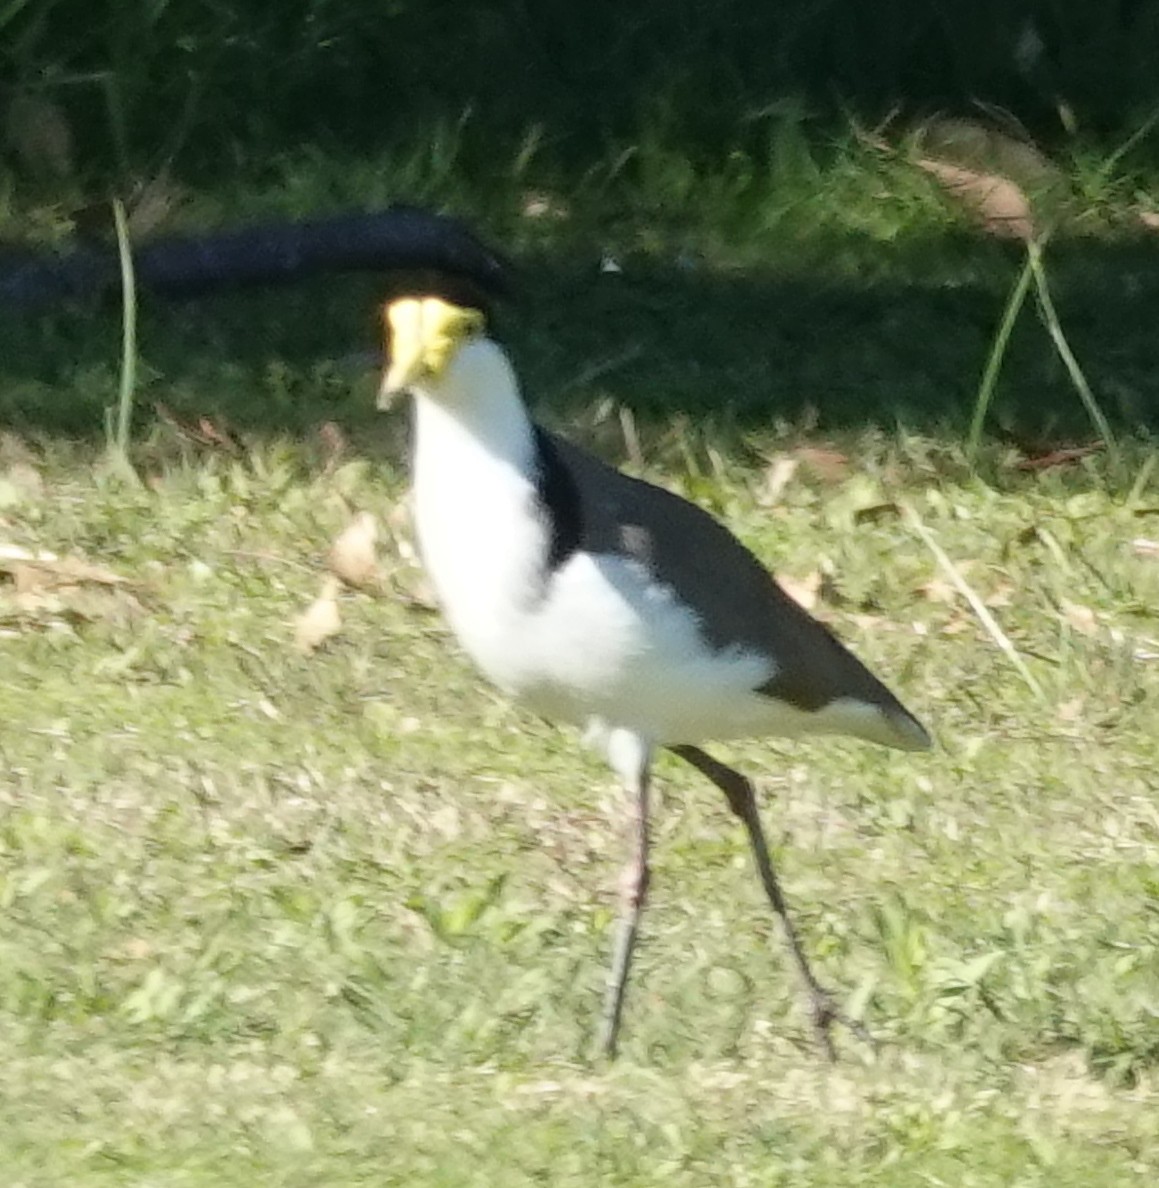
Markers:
(826, 1012)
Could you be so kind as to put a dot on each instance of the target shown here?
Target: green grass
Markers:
(270, 919)
(852, 290)
(213, 84)
(288, 920)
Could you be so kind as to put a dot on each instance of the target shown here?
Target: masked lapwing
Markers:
(598, 599)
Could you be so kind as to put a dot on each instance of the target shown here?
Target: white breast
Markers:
(480, 540)
(598, 638)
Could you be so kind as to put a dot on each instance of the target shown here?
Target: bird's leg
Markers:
(743, 803)
(633, 891)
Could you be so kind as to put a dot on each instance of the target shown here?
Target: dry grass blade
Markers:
(1054, 329)
(1060, 457)
(998, 348)
(600, 369)
(632, 450)
(971, 596)
(30, 571)
(40, 590)
(778, 475)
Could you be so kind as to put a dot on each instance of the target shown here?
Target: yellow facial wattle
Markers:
(422, 336)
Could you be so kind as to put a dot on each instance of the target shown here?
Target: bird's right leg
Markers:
(632, 758)
(743, 802)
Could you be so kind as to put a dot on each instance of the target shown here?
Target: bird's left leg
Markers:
(631, 756)
(743, 802)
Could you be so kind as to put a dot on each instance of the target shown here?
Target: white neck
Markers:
(475, 408)
(482, 537)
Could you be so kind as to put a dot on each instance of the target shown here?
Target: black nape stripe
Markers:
(560, 496)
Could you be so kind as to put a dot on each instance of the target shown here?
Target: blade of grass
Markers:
(118, 435)
(1141, 480)
(997, 353)
(1050, 320)
(1140, 133)
(954, 574)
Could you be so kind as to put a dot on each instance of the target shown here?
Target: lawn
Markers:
(342, 917)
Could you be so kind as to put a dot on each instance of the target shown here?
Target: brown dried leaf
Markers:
(1150, 219)
(1002, 207)
(42, 590)
(353, 557)
(67, 605)
(320, 620)
(204, 432)
(44, 572)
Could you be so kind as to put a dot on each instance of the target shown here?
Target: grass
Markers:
(288, 920)
(213, 83)
(291, 920)
(851, 286)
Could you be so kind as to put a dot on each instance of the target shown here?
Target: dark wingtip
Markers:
(908, 733)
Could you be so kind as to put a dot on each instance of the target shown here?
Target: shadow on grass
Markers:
(823, 340)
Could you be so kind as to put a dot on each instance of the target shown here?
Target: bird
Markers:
(600, 600)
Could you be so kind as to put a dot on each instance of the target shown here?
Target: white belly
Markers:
(605, 645)
(598, 640)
